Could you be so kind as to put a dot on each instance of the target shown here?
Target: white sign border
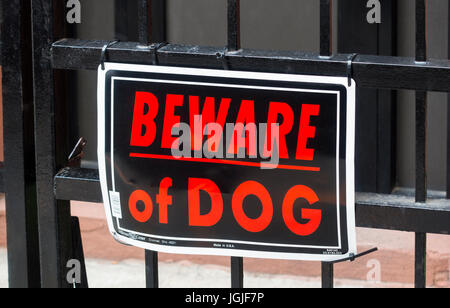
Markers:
(243, 75)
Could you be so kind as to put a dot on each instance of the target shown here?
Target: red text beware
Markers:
(216, 111)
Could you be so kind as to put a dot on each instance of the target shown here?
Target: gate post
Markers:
(51, 150)
(19, 170)
(375, 114)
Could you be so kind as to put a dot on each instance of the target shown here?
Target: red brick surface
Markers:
(396, 266)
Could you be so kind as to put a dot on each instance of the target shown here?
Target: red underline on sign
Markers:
(225, 162)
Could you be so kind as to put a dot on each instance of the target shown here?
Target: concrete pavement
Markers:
(3, 269)
(130, 274)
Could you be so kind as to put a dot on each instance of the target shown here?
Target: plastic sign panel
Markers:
(199, 161)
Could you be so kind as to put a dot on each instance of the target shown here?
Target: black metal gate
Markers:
(39, 183)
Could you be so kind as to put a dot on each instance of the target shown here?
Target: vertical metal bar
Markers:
(121, 23)
(448, 141)
(327, 275)
(159, 22)
(145, 21)
(51, 150)
(421, 30)
(448, 112)
(421, 123)
(145, 38)
(78, 253)
(234, 25)
(151, 269)
(387, 106)
(126, 24)
(421, 142)
(21, 209)
(326, 16)
(233, 44)
(326, 36)
(420, 260)
(237, 273)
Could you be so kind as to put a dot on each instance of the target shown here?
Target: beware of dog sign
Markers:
(227, 163)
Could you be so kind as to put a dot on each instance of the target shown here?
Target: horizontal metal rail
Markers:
(381, 211)
(78, 184)
(368, 71)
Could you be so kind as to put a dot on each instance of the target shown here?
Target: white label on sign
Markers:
(115, 204)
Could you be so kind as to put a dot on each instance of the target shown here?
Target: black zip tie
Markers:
(154, 50)
(353, 257)
(104, 50)
(351, 58)
(77, 153)
(222, 57)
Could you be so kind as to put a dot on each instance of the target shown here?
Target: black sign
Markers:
(228, 163)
